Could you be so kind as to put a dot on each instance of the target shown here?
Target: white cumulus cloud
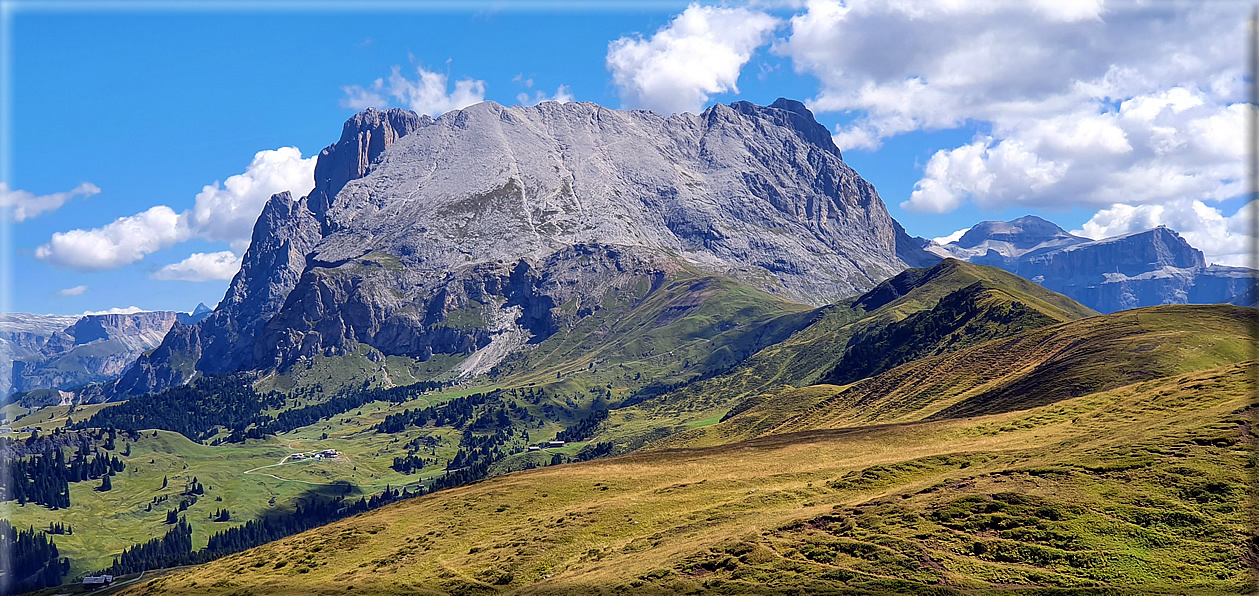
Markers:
(130, 310)
(1079, 103)
(123, 241)
(223, 212)
(965, 60)
(562, 95)
(201, 266)
(429, 93)
(1133, 108)
(23, 205)
(699, 53)
(1152, 149)
(75, 291)
(226, 212)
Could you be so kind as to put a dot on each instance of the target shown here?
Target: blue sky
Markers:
(151, 105)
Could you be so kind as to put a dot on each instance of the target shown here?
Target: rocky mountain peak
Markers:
(791, 114)
(363, 138)
(1147, 250)
(1145, 268)
(286, 231)
(526, 216)
(1022, 234)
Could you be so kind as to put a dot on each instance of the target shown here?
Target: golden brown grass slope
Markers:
(1133, 489)
(1029, 369)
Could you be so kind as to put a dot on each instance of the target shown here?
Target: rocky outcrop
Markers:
(364, 137)
(491, 226)
(533, 207)
(1141, 269)
(21, 337)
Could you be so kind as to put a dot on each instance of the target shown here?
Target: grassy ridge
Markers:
(959, 303)
(690, 325)
(1136, 488)
(808, 355)
(670, 333)
(1043, 366)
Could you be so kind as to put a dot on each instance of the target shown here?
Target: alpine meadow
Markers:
(650, 334)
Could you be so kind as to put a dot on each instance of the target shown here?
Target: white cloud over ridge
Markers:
(429, 93)
(562, 95)
(23, 205)
(1134, 109)
(1155, 148)
(223, 212)
(201, 266)
(227, 212)
(75, 291)
(1223, 239)
(130, 310)
(961, 61)
(698, 54)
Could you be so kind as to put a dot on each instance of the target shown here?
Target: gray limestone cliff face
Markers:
(492, 226)
(1147, 268)
(739, 187)
(523, 209)
(364, 137)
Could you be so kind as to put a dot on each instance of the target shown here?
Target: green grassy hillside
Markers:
(918, 313)
(1043, 366)
(1133, 489)
(702, 372)
(689, 326)
(1029, 369)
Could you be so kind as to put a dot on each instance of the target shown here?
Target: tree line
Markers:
(45, 478)
(195, 410)
(305, 416)
(584, 428)
(34, 562)
(175, 547)
(458, 412)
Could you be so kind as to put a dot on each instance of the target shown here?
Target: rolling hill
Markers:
(925, 311)
(961, 393)
(1139, 488)
(1026, 370)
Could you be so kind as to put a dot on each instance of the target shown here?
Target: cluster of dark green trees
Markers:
(199, 409)
(171, 549)
(595, 451)
(584, 428)
(460, 411)
(409, 464)
(195, 410)
(45, 478)
(305, 416)
(34, 562)
(175, 547)
(59, 528)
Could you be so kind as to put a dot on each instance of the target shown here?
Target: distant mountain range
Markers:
(63, 352)
(1141, 269)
